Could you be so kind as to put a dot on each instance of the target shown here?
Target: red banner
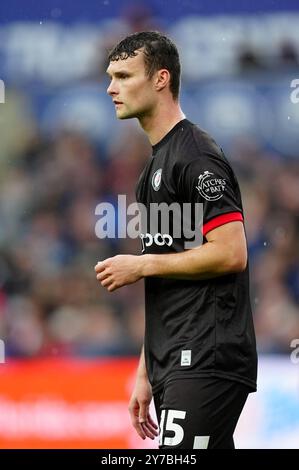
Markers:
(66, 403)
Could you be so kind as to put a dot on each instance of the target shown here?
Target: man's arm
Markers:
(140, 402)
(225, 252)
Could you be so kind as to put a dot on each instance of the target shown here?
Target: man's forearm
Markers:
(205, 262)
(141, 370)
(224, 252)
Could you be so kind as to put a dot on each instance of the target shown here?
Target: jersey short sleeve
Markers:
(207, 178)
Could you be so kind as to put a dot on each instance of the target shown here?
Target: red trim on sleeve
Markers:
(221, 220)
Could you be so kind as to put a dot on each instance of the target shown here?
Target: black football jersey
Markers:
(203, 327)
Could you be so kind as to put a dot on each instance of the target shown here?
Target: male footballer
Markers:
(199, 358)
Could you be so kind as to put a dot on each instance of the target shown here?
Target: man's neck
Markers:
(163, 119)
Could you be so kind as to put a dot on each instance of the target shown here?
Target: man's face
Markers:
(131, 89)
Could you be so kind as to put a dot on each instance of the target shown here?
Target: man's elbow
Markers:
(238, 262)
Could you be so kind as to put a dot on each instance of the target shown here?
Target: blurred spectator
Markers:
(249, 60)
(288, 54)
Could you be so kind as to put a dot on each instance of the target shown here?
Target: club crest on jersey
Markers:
(156, 179)
(209, 187)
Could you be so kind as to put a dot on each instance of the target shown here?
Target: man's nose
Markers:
(111, 88)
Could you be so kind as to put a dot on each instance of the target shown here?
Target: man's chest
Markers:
(156, 184)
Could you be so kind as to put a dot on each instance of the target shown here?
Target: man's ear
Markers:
(162, 79)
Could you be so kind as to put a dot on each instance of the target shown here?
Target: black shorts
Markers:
(199, 413)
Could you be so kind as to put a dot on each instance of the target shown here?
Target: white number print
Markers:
(171, 426)
(161, 427)
(200, 442)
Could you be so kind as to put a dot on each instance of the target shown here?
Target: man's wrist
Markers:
(148, 267)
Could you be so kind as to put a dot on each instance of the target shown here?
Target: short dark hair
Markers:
(159, 53)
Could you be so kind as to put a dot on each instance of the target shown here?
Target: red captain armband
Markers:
(221, 220)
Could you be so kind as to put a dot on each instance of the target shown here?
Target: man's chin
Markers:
(121, 115)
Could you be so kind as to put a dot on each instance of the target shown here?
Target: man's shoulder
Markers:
(193, 143)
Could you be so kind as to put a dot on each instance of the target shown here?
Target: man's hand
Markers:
(119, 271)
(139, 410)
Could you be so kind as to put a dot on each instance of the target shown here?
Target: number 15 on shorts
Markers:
(168, 424)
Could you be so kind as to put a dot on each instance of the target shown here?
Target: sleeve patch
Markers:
(210, 187)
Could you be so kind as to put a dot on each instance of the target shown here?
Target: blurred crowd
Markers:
(50, 301)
